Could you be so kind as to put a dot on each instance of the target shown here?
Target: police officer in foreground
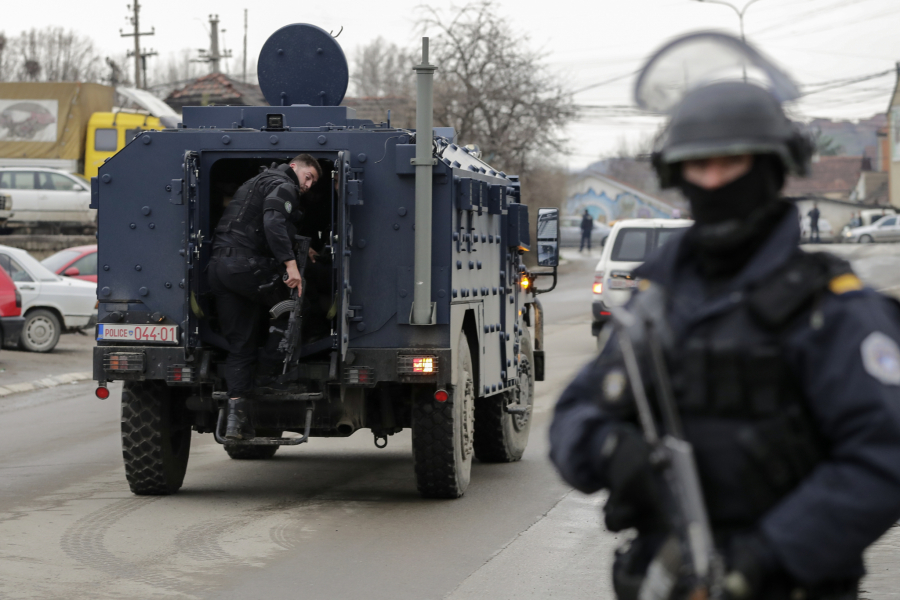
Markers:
(785, 371)
(253, 245)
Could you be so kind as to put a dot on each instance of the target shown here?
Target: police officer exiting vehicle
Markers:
(784, 369)
(253, 245)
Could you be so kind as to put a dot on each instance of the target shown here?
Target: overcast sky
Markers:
(586, 42)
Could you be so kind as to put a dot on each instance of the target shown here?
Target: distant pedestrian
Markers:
(814, 223)
(587, 228)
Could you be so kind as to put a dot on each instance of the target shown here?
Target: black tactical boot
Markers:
(238, 425)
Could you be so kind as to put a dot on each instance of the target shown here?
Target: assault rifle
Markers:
(290, 343)
(696, 563)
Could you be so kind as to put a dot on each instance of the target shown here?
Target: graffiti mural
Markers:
(625, 205)
(28, 120)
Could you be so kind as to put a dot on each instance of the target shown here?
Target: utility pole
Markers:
(740, 13)
(245, 45)
(136, 53)
(213, 56)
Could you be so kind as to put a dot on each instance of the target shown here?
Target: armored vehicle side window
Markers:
(87, 265)
(14, 269)
(106, 140)
(631, 245)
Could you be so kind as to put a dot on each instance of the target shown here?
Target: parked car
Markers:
(886, 229)
(570, 232)
(864, 218)
(5, 208)
(826, 232)
(79, 262)
(51, 304)
(628, 245)
(45, 198)
(11, 319)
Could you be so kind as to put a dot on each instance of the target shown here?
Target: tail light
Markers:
(359, 376)
(417, 365)
(598, 282)
(179, 374)
(124, 362)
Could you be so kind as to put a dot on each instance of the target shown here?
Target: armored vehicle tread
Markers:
(503, 422)
(156, 437)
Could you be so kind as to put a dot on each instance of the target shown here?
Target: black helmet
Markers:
(724, 98)
(729, 118)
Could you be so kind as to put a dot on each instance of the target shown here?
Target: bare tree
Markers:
(382, 69)
(50, 54)
(493, 89)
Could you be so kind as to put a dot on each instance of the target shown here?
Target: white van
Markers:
(628, 245)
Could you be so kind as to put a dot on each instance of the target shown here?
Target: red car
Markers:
(79, 262)
(11, 319)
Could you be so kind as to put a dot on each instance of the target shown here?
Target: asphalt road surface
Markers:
(335, 518)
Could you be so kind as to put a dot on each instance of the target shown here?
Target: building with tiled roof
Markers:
(832, 177)
(216, 89)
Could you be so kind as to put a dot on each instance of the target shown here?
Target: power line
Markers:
(839, 84)
(606, 82)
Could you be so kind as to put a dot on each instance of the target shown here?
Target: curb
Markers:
(47, 382)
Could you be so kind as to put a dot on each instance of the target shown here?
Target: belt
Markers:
(244, 252)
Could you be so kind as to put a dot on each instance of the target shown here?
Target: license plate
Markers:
(622, 284)
(153, 334)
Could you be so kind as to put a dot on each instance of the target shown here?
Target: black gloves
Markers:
(634, 494)
(751, 565)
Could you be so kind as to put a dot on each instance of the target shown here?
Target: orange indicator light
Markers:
(423, 365)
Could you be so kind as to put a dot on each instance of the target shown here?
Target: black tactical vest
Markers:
(740, 396)
(244, 213)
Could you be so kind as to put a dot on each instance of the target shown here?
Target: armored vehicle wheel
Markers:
(499, 435)
(254, 452)
(156, 438)
(40, 332)
(442, 434)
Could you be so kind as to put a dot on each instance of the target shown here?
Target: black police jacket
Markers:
(842, 369)
(262, 216)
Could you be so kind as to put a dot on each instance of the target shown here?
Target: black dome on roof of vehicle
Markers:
(302, 64)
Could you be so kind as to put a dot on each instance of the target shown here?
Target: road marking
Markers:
(46, 382)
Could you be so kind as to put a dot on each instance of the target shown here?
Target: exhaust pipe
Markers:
(423, 309)
(345, 427)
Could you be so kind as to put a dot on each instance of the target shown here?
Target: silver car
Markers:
(886, 229)
(570, 232)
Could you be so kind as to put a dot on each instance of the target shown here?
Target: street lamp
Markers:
(740, 13)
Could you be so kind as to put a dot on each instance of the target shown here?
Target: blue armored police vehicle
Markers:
(422, 316)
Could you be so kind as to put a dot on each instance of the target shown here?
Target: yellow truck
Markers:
(72, 126)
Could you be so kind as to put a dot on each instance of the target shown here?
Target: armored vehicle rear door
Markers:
(343, 243)
(193, 241)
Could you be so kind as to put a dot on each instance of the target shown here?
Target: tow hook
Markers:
(381, 441)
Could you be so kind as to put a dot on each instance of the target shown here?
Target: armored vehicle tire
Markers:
(254, 452)
(499, 435)
(156, 438)
(40, 332)
(442, 433)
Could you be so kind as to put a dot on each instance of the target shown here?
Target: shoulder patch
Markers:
(881, 358)
(614, 385)
(288, 206)
(848, 282)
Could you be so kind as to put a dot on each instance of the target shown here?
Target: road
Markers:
(336, 518)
